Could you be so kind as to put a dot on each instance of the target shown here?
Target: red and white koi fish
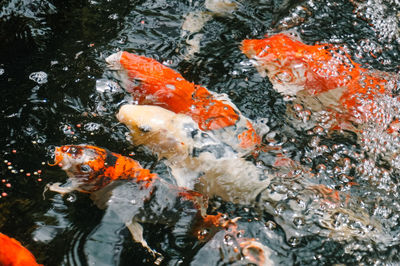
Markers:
(12, 253)
(143, 197)
(197, 159)
(293, 67)
(152, 83)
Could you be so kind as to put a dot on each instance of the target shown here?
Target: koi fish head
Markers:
(159, 129)
(292, 65)
(80, 161)
(169, 135)
(91, 168)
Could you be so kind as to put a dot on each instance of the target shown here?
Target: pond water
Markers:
(56, 90)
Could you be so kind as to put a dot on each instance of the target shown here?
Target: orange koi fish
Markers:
(102, 172)
(293, 66)
(12, 253)
(150, 82)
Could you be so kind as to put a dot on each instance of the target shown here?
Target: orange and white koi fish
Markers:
(293, 67)
(135, 194)
(176, 138)
(12, 253)
(152, 83)
(197, 159)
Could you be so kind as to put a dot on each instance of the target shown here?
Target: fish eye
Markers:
(85, 168)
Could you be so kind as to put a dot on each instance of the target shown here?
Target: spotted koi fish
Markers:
(152, 83)
(12, 253)
(144, 198)
(294, 67)
(91, 168)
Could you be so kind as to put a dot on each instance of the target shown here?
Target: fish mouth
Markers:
(113, 61)
(61, 159)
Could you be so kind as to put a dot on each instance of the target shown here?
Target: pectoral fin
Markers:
(137, 234)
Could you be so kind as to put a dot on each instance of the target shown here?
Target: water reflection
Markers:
(68, 42)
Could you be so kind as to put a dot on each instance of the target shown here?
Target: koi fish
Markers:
(294, 67)
(152, 83)
(12, 253)
(143, 197)
(90, 168)
(197, 159)
(176, 138)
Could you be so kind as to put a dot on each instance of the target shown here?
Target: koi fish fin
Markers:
(137, 234)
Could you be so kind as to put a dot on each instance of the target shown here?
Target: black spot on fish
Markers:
(111, 159)
(194, 133)
(217, 150)
(191, 130)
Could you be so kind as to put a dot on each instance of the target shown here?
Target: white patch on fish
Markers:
(192, 153)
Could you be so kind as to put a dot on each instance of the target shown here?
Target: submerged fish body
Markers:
(12, 253)
(316, 207)
(152, 83)
(293, 66)
(197, 159)
(135, 195)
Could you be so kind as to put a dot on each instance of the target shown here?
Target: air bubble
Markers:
(71, 198)
(228, 240)
(103, 85)
(91, 127)
(298, 221)
(294, 241)
(39, 77)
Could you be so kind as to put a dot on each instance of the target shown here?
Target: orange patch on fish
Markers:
(249, 138)
(12, 253)
(152, 83)
(163, 86)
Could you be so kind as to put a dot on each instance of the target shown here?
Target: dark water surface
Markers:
(56, 90)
